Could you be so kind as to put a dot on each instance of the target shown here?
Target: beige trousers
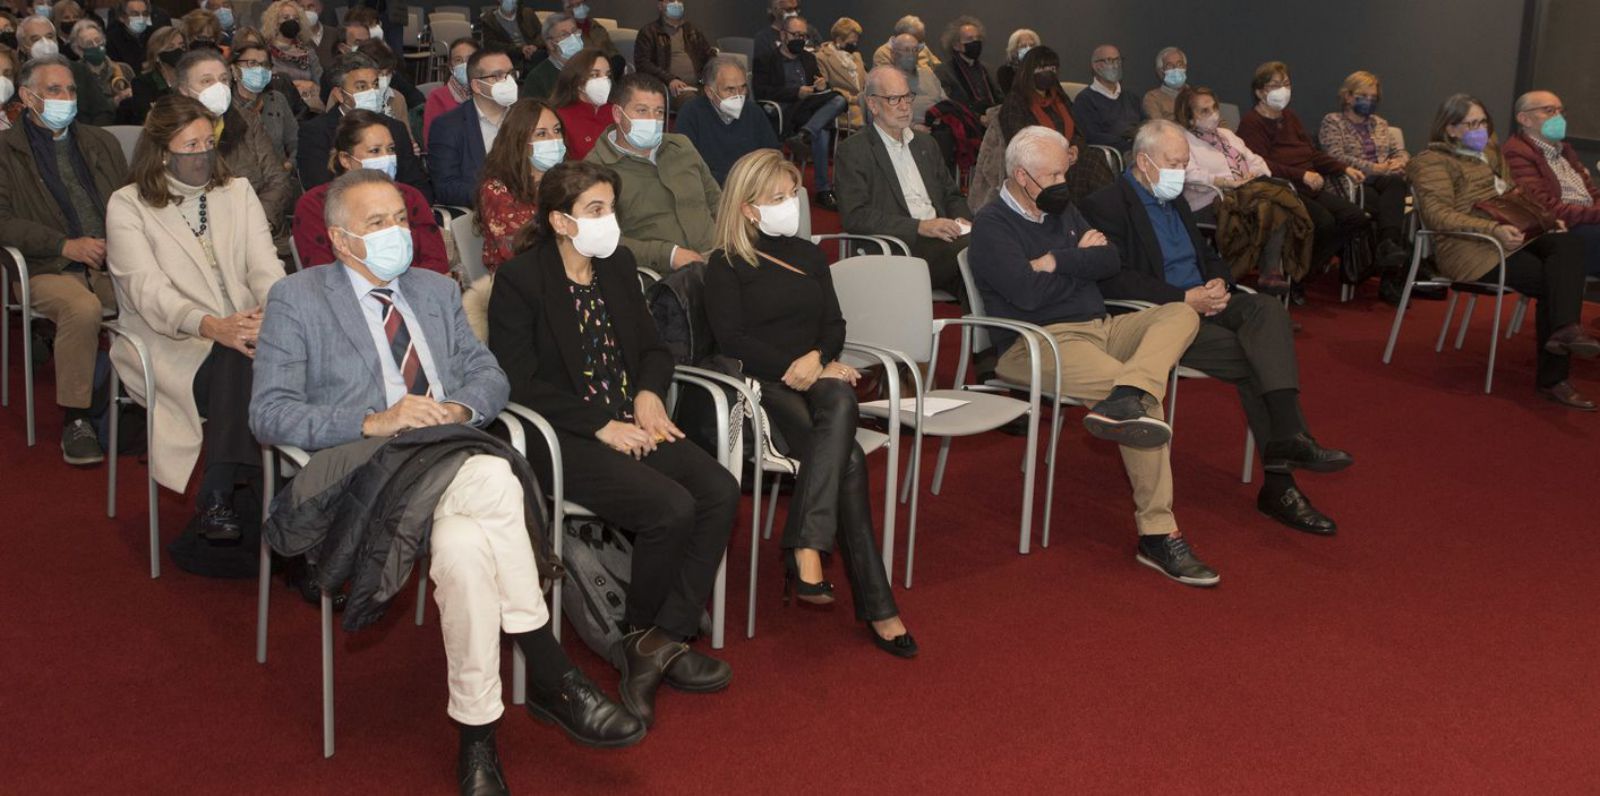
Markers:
(73, 303)
(485, 581)
(1138, 349)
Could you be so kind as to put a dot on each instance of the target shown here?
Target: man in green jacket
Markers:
(668, 204)
(56, 177)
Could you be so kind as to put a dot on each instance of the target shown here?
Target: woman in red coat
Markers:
(583, 100)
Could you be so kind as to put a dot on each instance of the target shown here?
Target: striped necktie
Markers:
(400, 344)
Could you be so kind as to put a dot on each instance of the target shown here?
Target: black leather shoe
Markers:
(642, 674)
(1573, 341)
(1302, 452)
(1564, 393)
(478, 769)
(800, 147)
(698, 672)
(218, 522)
(827, 201)
(586, 715)
(1171, 556)
(1292, 508)
(901, 646)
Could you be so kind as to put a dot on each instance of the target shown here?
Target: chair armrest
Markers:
(893, 242)
(294, 454)
(883, 246)
(553, 445)
(1205, 186)
(1030, 334)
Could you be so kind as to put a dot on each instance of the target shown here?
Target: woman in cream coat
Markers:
(191, 254)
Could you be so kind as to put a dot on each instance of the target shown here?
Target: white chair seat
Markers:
(982, 413)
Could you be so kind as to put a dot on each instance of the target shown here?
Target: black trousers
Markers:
(222, 394)
(818, 427)
(1251, 346)
(943, 270)
(678, 502)
(1550, 269)
(1336, 220)
(1386, 202)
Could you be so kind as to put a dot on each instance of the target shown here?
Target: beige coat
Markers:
(1447, 184)
(165, 286)
(846, 75)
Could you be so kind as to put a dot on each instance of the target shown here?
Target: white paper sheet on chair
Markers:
(930, 406)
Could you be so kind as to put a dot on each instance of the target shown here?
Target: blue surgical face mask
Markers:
(225, 16)
(644, 133)
(1175, 77)
(546, 154)
(1168, 183)
(255, 78)
(1364, 106)
(674, 10)
(571, 45)
(369, 100)
(580, 11)
(459, 72)
(388, 251)
(58, 114)
(1554, 128)
(138, 25)
(508, 6)
(388, 164)
(42, 10)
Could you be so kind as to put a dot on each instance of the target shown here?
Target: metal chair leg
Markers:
(772, 504)
(5, 337)
(1249, 455)
(1494, 343)
(1405, 301)
(938, 468)
(422, 590)
(269, 475)
(1466, 319)
(719, 603)
(111, 461)
(27, 365)
(1444, 328)
(519, 671)
(327, 675)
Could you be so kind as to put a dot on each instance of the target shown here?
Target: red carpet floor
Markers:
(1444, 641)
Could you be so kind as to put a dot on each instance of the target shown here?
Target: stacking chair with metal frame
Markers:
(117, 399)
(17, 268)
(469, 247)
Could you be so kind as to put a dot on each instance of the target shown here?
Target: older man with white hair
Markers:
(1172, 66)
(1035, 258)
(1245, 338)
(37, 37)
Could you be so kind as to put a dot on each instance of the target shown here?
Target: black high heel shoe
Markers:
(901, 646)
(814, 593)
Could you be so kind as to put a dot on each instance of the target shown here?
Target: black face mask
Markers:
(1053, 200)
(1042, 81)
(795, 46)
(171, 57)
(192, 168)
(198, 44)
(972, 49)
(9, 39)
(851, 48)
(290, 29)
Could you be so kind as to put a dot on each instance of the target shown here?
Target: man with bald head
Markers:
(1244, 338)
(892, 181)
(1548, 169)
(1107, 115)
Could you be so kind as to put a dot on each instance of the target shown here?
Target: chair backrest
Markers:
(448, 30)
(427, 88)
(738, 45)
(1398, 136)
(606, 22)
(887, 301)
(435, 17)
(469, 246)
(624, 40)
(1073, 89)
(805, 214)
(980, 334)
(1230, 115)
(466, 13)
(127, 135)
(543, 15)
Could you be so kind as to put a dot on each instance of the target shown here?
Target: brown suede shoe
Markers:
(1562, 392)
(1572, 340)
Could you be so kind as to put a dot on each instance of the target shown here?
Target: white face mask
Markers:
(216, 97)
(781, 220)
(383, 84)
(1168, 184)
(7, 89)
(376, 32)
(597, 90)
(44, 47)
(369, 100)
(504, 93)
(311, 19)
(1207, 124)
(596, 237)
(731, 107)
(1278, 98)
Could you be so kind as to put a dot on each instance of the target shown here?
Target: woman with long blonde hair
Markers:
(770, 301)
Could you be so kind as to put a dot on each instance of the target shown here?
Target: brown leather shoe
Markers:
(1562, 392)
(1572, 340)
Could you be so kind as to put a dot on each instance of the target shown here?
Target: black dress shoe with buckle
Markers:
(1292, 508)
(586, 715)
(642, 674)
(478, 769)
(1303, 453)
(219, 524)
(697, 672)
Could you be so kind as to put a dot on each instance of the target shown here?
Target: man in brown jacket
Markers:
(55, 179)
(672, 50)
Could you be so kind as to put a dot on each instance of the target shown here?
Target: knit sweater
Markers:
(721, 143)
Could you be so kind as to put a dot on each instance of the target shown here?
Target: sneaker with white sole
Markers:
(80, 445)
(1171, 556)
(1124, 421)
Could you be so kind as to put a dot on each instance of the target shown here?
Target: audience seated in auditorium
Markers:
(672, 50)
(37, 37)
(242, 145)
(129, 31)
(839, 58)
(1268, 229)
(1107, 115)
(1037, 98)
(61, 230)
(264, 99)
(321, 32)
(907, 25)
(562, 40)
(457, 87)
(595, 35)
(1272, 130)
(892, 181)
(192, 255)
(790, 77)
(112, 80)
(1547, 168)
(365, 140)
(1172, 68)
(770, 37)
(512, 29)
(355, 87)
(1035, 259)
(465, 135)
(964, 77)
(724, 124)
(359, 24)
(166, 47)
(770, 300)
(222, 11)
(1245, 339)
(570, 327)
(1461, 167)
(295, 56)
(202, 29)
(583, 100)
(1359, 138)
(400, 95)
(668, 196)
(1017, 46)
(529, 144)
(486, 556)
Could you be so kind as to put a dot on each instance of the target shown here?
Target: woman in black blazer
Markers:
(571, 330)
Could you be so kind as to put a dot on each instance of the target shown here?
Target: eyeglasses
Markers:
(496, 77)
(1111, 61)
(1554, 110)
(896, 100)
(246, 63)
(1476, 124)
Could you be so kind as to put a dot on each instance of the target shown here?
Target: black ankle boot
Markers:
(642, 673)
(219, 524)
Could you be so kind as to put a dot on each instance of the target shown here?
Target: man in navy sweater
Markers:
(722, 122)
(1106, 114)
(1034, 258)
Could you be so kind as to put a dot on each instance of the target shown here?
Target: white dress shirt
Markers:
(905, 167)
(489, 128)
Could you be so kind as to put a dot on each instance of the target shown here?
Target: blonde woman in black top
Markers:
(771, 305)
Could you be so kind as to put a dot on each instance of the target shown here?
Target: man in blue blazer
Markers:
(459, 141)
(355, 85)
(357, 351)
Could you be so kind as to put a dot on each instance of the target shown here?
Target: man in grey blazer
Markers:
(891, 180)
(357, 351)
